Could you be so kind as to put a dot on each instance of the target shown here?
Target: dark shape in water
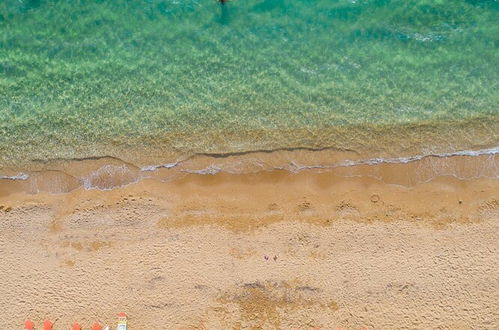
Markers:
(30, 4)
(488, 4)
(224, 13)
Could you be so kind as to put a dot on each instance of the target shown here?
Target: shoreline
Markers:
(109, 173)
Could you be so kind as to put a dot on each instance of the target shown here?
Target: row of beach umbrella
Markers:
(49, 325)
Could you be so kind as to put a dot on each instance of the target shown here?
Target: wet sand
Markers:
(257, 251)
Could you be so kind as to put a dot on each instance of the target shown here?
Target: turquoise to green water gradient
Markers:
(84, 78)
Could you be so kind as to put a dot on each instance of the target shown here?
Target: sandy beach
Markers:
(272, 250)
(262, 164)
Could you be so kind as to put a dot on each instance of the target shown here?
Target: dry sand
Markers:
(264, 251)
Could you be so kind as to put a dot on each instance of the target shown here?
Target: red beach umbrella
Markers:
(29, 325)
(47, 325)
(96, 326)
(76, 326)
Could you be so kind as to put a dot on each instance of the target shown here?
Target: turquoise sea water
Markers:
(155, 79)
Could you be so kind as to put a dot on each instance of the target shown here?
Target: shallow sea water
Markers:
(152, 82)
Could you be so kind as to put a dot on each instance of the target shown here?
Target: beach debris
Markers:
(266, 257)
(275, 258)
(76, 326)
(122, 321)
(47, 325)
(29, 325)
(97, 326)
(375, 198)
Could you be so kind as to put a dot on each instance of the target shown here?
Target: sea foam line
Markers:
(19, 176)
(293, 166)
(405, 160)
